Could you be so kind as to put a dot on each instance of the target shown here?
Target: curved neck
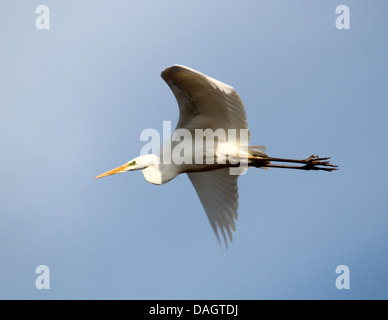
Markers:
(159, 173)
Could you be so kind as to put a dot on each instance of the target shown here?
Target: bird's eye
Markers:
(133, 163)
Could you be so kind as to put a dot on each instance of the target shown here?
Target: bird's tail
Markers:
(258, 151)
(255, 155)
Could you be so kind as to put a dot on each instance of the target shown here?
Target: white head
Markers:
(149, 163)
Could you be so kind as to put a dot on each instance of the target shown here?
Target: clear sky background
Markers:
(74, 100)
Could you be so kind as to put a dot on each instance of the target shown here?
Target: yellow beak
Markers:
(113, 171)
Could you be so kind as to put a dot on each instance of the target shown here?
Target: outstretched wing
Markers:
(204, 102)
(218, 193)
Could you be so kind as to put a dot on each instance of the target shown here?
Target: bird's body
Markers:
(212, 134)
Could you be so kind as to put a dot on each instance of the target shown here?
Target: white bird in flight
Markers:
(206, 103)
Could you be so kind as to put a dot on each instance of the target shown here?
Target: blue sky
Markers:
(74, 100)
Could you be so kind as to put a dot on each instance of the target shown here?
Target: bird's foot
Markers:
(314, 162)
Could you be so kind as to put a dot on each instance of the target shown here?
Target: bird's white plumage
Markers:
(208, 106)
(218, 193)
(205, 103)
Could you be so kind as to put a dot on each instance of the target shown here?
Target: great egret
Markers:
(206, 103)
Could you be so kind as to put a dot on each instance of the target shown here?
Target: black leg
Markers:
(311, 163)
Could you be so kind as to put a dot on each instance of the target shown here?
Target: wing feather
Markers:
(204, 102)
(218, 192)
